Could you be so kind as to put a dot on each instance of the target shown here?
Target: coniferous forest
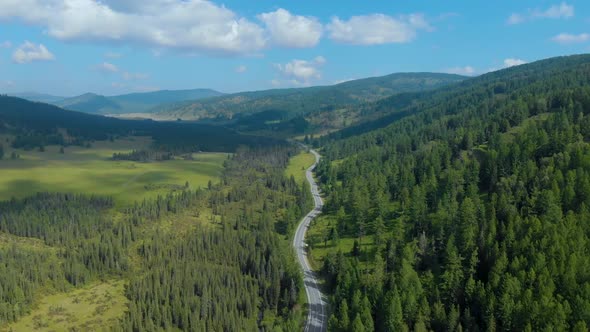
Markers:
(478, 206)
(224, 277)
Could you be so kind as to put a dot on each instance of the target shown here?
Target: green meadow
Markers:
(94, 308)
(298, 164)
(90, 170)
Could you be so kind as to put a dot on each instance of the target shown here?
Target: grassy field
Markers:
(94, 308)
(298, 164)
(89, 170)
(320, 248)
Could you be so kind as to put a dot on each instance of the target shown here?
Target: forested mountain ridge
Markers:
(139, 102)
(36, 124)
(476, 205)
(285, 104)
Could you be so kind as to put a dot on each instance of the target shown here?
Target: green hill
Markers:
(34, 125)
(131, 103)
(40, 97)
(470, 212)
(285, 104)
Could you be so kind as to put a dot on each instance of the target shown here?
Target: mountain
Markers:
(470, 212)
(34, 96)
(285, 104)
(89, 103)
(34, 124)
(131, 103)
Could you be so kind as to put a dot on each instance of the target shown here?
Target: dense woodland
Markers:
(478, 206)
(234, 272)
(35, 125)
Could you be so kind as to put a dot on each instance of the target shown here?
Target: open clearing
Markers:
(94, 308)
(90, 170)
(298, 164)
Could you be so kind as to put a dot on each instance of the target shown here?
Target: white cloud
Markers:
(301, 72)
(291, 30)
(377, 29)
(241, 69)
(510, 62)
(110, 68)
(560, 11)
(29, 52)
(7, 84)
(6, 44)
(106, 67)
(191, 26)
(467, 70)
(566, 38)
(344, 80)
(515, 19)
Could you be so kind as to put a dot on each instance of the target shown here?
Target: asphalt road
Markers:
(317, 318)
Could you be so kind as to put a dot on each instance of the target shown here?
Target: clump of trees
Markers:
(143, 156)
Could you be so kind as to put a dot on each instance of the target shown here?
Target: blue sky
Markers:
(69, 47)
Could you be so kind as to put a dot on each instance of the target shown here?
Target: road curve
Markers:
(317, 317)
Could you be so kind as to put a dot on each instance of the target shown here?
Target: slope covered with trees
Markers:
(477, 205)
(285, 104)
(34, 125)
(139, 102)
(233, 273)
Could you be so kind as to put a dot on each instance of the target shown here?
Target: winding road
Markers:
(317, 317)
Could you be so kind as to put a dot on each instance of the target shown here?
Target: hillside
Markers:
(40, 97)
(131, 103)
(470, 213)
(286, 104)
(36, 124)
(89, 103)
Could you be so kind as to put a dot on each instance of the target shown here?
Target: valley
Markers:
(405, 202)
(91, 169)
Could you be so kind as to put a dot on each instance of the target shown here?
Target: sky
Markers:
(111, 47)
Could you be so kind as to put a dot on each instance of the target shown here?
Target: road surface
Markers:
(317, 320)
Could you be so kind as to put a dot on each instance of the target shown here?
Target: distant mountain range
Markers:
(39, 97)
(127, 103)
(254, 110)
(282, 104)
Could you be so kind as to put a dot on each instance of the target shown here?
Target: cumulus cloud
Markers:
(377, 29)
(196, 26)
(510, 62)
(109, 68)
(6, 44)
(300, 72)
(560, 11)
(29, 52)
(241, 69)
(566, 38)
(291, 30)
(106, 67)
(467, 70)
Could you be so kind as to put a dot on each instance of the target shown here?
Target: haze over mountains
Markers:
(277, 104)
(127, 103)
